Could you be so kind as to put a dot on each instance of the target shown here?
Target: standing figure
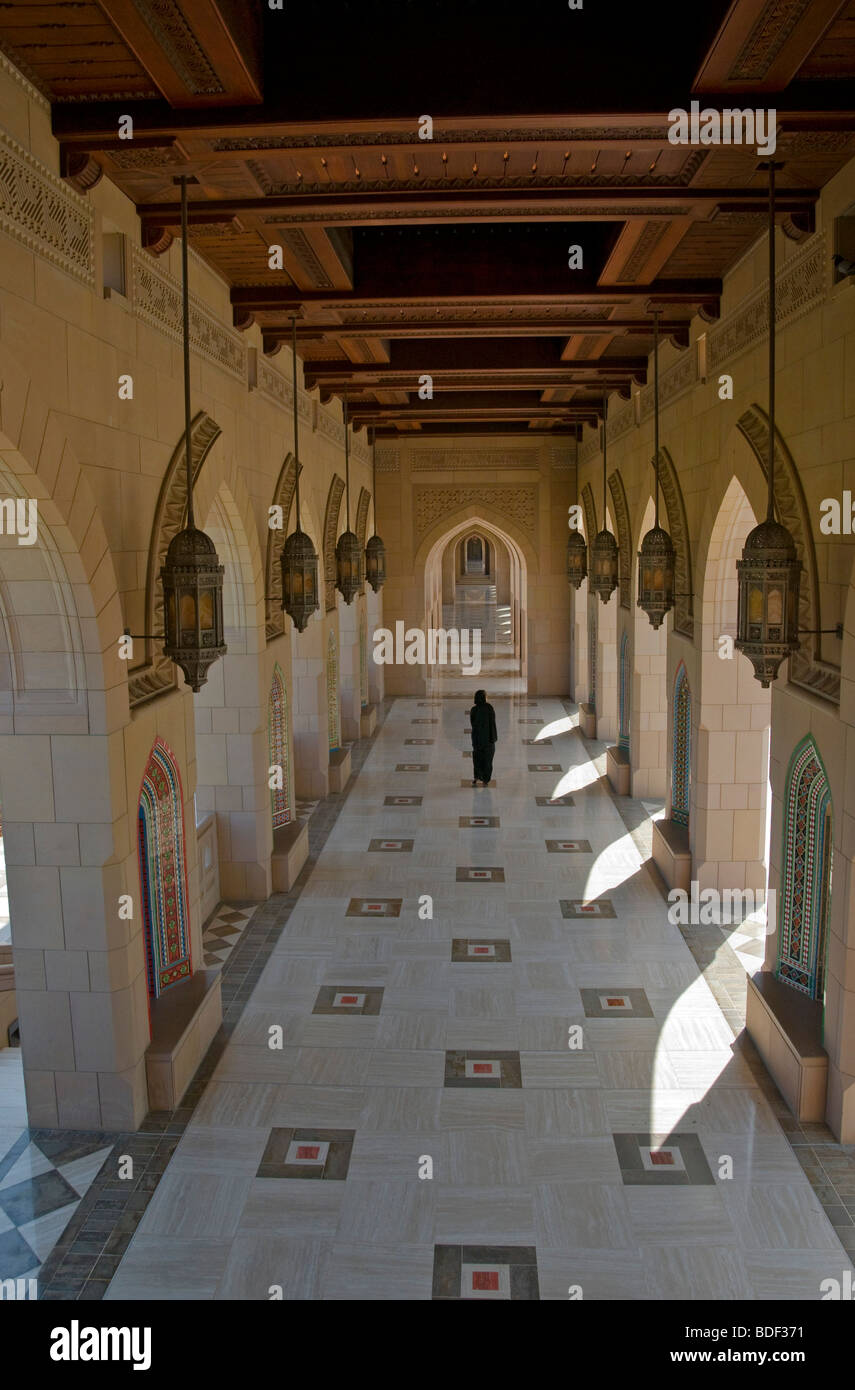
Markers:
(482, 718)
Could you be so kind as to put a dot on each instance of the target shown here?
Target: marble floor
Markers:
(479, 1062)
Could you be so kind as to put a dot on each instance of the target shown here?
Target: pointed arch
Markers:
(331, 516)
(157, 673)
(681, 748)
(163, 873)
(283, 497)
(624, 536)
(589, 507)
(803, 917)
(678, 526)
(333, 711)
(279, 740)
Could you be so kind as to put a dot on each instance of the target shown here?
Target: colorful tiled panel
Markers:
(662, 1160)
(374, 907)
(478, 822)
(402, 801)
(491, 1071)
(348, 999)
(224, 931)
(322, 1154)
(485, 1271)
(578, 907)
(554, 801)
(615, 1003)
(568, 846)
(466, 949)
(390, 847)
(480, 875)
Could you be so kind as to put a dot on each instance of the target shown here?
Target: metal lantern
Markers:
(656, 570)
(767, 621)
(577, 558)
(299, 559)
(577, 550)
(299, 578)
(375, 550)
(348, 551)
(657, 559)
(603, 573)
(348, 565)
(604, 567)
(192, 580)
(191, 575)
(375, 563)
(768, 575)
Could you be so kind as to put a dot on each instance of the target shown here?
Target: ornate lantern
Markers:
(577, 551)
(348, 551)
(375, 550)
(603, 572)
(299, 560)
(769, 571)
(657, 560)
(191, 575)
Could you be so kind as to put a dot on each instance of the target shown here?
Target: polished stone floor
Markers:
(478, 1061)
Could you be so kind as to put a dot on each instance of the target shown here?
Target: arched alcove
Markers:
(649, 701)
(163, 872)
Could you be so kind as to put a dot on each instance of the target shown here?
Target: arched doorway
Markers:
(681, 749)
(649, 695)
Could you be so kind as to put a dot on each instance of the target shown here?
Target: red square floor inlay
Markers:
(662, 1158)
(308, 1150)
(486, 1279)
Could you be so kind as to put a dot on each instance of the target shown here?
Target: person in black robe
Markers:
(482, 718)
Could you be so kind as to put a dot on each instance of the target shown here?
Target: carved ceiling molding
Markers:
(283, 496)
(158, 674)
(175, 37)
(156, 297)
(772, 29)
(589, 507)
(41, 212)
(806, 667)
(678, 526)
(442, 460)
(624, 536)
(539, 210)
(431, 504)
(565, 135)
(639, 255)
(334, 497)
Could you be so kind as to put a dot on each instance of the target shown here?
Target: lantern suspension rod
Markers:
(771, 501)
(296, 413)
(605, 407)
(185, 315)
(346, 463)
(656, 409)
(374, 473)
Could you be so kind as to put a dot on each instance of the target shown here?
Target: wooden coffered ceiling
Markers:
(405, 257)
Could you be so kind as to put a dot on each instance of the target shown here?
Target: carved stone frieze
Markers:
(334, 497)
(430, 504)
(43, 213)
(624, 537)
(156, 298)
(283, 496)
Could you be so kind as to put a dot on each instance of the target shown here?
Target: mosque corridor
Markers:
(415, 1045)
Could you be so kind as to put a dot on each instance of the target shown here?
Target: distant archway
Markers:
(806, 886)
(163, 872)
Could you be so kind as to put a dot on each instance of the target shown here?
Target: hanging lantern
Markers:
(603, 572)
(577, 550)
(577, 558)
(375, 550)
(299, 579)
(191, 574)
(769, 573)
(299, 560)
(348, 551)
(348, 565)
(656, 568)
(375, 563)
(657, 559)
(192, 580)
